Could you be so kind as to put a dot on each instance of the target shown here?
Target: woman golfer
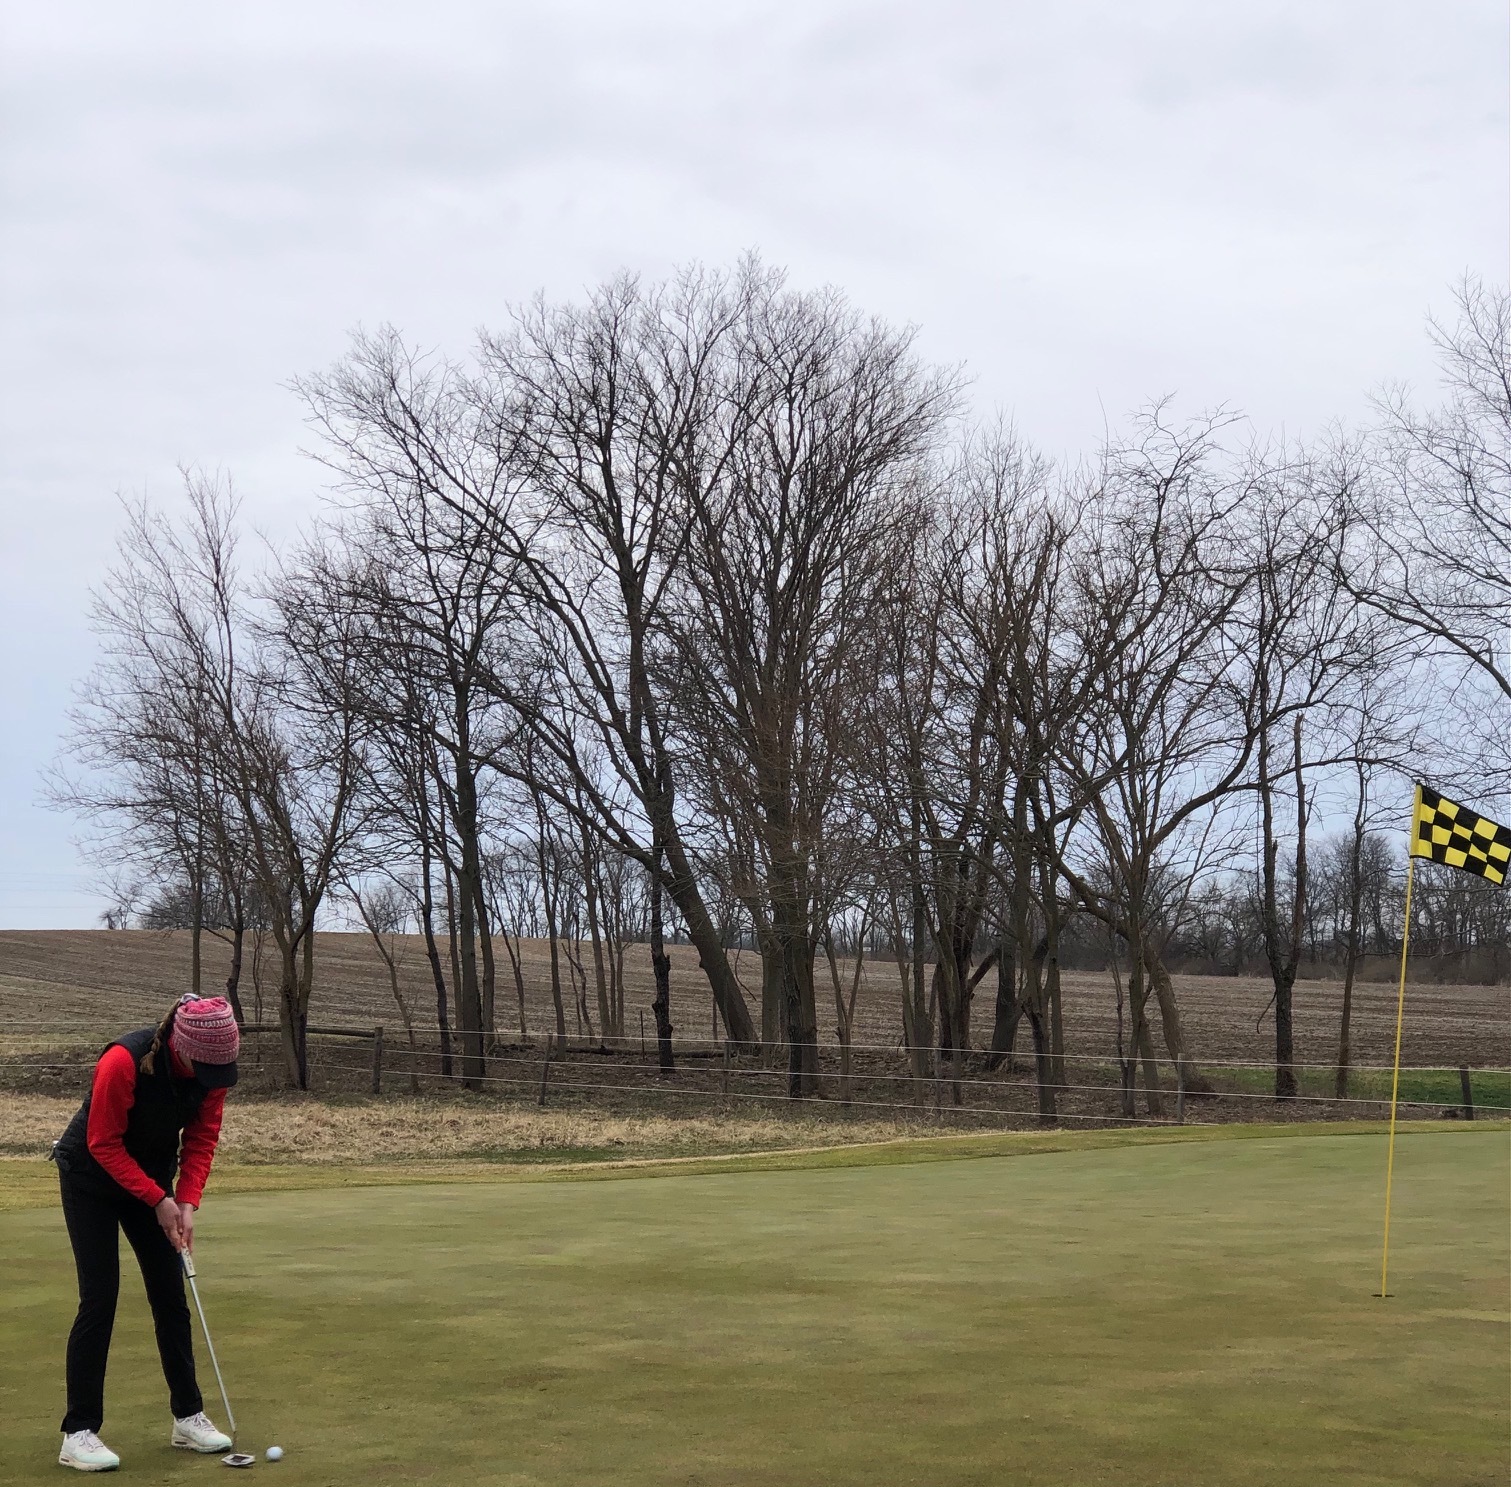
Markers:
(153, 1111)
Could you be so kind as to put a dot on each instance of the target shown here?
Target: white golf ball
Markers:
(274, 1453)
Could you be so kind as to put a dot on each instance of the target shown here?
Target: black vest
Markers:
(164, 1105)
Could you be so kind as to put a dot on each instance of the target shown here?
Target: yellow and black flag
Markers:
(1451, 833)
(1447, 832)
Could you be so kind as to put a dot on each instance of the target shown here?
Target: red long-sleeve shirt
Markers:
(114, 1093)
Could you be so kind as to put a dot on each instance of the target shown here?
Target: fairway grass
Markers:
(1193, 1311)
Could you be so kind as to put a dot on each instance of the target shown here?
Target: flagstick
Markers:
(1395, 1082)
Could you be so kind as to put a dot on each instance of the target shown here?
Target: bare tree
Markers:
(1167, 735)
(774, 610)
(1427, 541)
(146, 760)
(384, 906)
(428, 568)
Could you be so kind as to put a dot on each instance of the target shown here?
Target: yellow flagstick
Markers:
(1395, 1082)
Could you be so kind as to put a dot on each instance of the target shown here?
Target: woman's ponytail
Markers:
(148, 1064)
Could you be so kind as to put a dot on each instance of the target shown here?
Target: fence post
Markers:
(726, 1066)
(642, 1032)
(545, 1068)
(1180, 1092)
(1466, 1091)
(378, 1059)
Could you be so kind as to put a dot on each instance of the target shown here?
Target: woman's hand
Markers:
(172, 1217)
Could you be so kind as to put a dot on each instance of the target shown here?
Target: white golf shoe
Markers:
(84, 1451)
(199, 1433)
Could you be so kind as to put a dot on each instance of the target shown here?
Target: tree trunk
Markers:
(452, 938)
(1009, 1008)
(1141, 1045)
(1125, 1056)
(433, 955)
(802, 1015)
(772, 1008)
(1152, 1097)
(704, 935)
(196, 927)
(661, 969)
(1005, 1010)
(469, 890)
(1351, 958)
(469, 1002)
(1174, 1031)
(923, 1019)
(233, 976)
(1053, 993)
(548, 897)
(844, 1013)
(951, 996)
(1285, 1040)
(616, 980)
(292, 1022)
(485, 944)
(1044, 1078)
(606, 1026)
(511, 949)
(1282, 953)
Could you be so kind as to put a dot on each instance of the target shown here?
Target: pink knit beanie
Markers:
(205, 1034)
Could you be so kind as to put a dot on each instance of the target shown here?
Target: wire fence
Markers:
(713, 1048)
(911, 1084)
(915, 1080)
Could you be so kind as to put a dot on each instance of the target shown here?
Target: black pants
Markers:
(94, 1219)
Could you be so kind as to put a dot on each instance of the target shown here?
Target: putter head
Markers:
(237, 1458)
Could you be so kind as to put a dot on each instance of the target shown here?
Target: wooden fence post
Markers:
(726, 1066)
(378, 1059)
(545, 1068)
(1466, 1091)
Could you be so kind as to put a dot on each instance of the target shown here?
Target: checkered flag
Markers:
(1447, 832)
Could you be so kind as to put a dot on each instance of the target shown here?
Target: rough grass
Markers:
(455, 1128)
(1127, 1309)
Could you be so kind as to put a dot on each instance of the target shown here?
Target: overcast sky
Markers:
(1087, 203)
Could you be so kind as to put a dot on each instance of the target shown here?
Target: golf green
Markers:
(1195, 1314)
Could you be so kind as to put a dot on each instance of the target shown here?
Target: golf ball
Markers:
(274, 1453)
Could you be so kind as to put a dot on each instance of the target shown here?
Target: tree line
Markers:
(705, 608)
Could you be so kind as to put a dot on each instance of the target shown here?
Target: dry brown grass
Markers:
(315, 1131)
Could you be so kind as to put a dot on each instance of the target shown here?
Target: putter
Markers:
(236, 1458)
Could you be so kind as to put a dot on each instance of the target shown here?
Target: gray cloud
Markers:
(1087, 203)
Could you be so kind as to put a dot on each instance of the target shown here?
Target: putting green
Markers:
(1194, 1314)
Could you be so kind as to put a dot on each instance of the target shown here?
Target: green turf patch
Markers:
(29, 1183)
(1131, 1311)
(1490, 1088)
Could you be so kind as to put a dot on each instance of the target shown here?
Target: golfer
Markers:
(152, 1113)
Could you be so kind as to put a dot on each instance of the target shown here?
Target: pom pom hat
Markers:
(205, 1035)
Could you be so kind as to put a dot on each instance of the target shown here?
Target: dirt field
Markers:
(62, 993)
(100, 976)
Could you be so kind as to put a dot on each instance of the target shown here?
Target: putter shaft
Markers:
(199, 1306)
